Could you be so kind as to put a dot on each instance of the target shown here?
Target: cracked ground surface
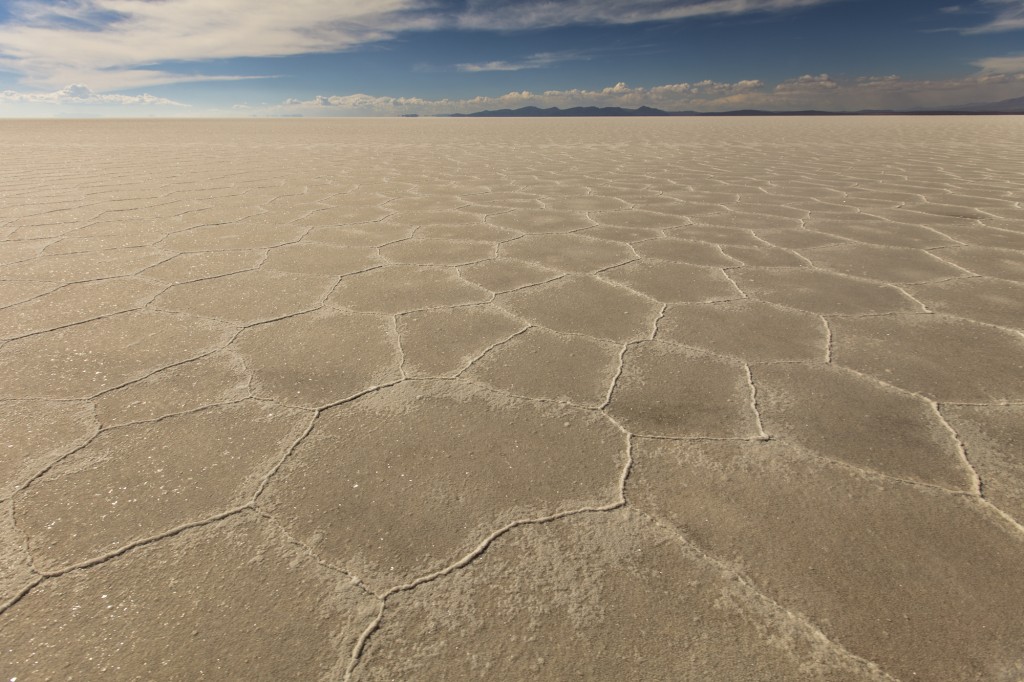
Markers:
(575, 399)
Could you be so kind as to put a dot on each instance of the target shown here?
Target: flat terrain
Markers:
(716, 399)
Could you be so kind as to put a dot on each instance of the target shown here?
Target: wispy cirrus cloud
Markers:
(122, 44)
(519, 15)
(117, 45)
(539, 60)
(112, 44)
(1007, 15)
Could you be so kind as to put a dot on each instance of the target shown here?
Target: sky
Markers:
(130, 58)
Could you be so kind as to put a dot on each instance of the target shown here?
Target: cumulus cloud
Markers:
(894, 83)
(81, 94)
(702, 94)
(1002, 65)
(807, 83)
(808, 91)
(894, 92)
(360, 103)
(117, 45)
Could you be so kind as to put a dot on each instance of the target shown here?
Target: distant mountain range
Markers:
(1008, 106)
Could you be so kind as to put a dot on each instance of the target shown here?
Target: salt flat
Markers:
(709, 399)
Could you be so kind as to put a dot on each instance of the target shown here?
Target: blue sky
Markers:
(387, 57)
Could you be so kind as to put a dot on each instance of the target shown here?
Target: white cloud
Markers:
(1008, 16)
(703, 94)
(517, 15)
(1002, 65)
(498, 66)
(803, 92)
(114, 44)
(807, 84)
(109, 43)
(368, 104)
(536, 61)
(120, 44)
(894, 92)
(82, 94)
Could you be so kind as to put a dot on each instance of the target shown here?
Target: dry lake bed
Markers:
(437, 399)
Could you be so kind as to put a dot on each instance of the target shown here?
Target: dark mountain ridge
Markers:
(1009, 106)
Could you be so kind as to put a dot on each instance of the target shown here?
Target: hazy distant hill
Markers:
(1006, 106)
(575, 111)
(1009, 106)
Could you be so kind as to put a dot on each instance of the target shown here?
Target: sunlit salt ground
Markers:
(729, 399)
